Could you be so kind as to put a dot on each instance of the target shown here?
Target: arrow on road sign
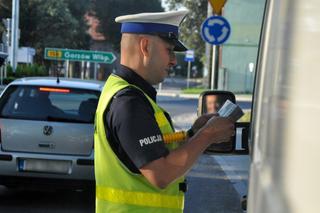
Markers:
(79, 55)
(208, 35)
(211, 22)
(223, 34)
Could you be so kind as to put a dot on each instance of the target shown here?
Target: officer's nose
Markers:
(173, 59)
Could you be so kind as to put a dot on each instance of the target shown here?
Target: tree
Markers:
(5, 8)
(78, 9)
(190, 29)
(107, 10)
(5, 12)
(51, 23)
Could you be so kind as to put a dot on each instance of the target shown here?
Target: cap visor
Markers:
(179, 46)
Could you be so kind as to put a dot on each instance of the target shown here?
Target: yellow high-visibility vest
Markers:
(117, 188)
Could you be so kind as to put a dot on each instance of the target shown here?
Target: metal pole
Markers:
(215, 67)
(212, 69)
(208, 52)
(67, 68)
(1, 76)
(95, 71)
(14, 35)
(82, 73)
(5, 69)
(207, 73)
(188, 78)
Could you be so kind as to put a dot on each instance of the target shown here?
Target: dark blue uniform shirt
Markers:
(131, 128)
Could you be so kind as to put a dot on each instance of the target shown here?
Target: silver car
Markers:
(46, 132)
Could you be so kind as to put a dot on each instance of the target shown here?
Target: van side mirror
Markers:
(211, 102)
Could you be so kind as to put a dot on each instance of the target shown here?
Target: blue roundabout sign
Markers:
(215, 30)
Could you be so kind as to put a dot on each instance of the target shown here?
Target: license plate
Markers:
(45, 166)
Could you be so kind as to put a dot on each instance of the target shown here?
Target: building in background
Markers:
(239, 54)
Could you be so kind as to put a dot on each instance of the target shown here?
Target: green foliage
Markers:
(5, 12)
(5, 8)
(193, 90)
(51, 23)
(9, 70)
(27, 71)
(190, 29)
(108, 10)
(8, 80)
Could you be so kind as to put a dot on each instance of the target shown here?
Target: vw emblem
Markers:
(47, 130)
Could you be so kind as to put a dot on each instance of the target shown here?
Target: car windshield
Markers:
(49, 104)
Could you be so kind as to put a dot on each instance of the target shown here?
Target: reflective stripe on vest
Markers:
(161, 119)
(139, 198)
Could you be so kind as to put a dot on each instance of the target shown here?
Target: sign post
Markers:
(215, 30)
(189, 58)
(95, 71)
(67, 69)
(14, 34)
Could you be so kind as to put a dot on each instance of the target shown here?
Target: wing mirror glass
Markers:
(213, 102)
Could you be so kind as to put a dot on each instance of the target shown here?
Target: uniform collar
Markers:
(133, 78)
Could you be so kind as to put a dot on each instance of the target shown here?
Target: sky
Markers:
(164, 5)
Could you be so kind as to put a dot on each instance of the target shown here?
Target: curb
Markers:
(178, 95)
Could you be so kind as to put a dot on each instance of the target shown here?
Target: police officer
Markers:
(135, 170)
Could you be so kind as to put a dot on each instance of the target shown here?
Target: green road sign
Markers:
(79, 55)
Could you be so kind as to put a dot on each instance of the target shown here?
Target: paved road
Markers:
(210, 190)
(216, 183)
(22, 201)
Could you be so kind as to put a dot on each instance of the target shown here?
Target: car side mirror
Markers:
(211, 102)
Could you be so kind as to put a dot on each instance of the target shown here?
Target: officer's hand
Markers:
(201, 121)
(218, 129)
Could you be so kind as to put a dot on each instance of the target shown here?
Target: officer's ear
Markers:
(145, 45)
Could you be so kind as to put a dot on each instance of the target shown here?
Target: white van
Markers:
(284, 143)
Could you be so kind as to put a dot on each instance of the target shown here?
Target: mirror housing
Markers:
(211, 102)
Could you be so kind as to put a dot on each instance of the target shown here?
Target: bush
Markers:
(27, 71)
(193, 90)
(8, 80)
(9, 70)
(40, 70)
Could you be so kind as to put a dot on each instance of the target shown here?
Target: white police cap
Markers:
(163, 24)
